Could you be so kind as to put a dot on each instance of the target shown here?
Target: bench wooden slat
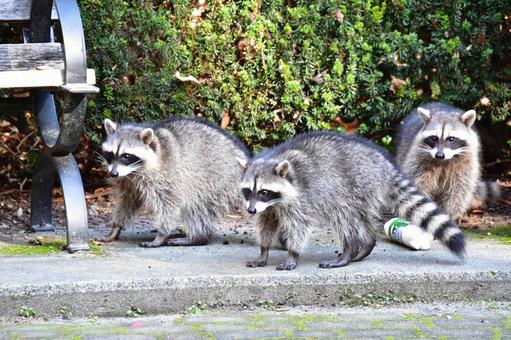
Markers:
(19, 10)
(24, 57)
(38, 78)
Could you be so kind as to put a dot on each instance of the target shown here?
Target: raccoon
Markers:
(486, 192)
(438, 147)
(323, 179)
(181, 169)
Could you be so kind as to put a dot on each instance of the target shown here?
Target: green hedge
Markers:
(273, 68)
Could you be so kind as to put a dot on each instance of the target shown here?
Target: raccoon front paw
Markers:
(286, 266)
(151, 244)
(256, 263)
(107, 239)
(187, 242)
(335, 263)
(114, 235)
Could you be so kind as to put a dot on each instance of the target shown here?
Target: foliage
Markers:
(196, 309)
(134, 312)
(27, 312)
(267, 69)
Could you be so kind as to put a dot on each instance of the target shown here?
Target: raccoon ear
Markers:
(282, 168)
(109, 126)
(468, 118)
(425, 114)
(242, 162)
(147, 136)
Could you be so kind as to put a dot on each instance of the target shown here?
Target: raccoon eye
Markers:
(431, 141)
(109, 156)
(128, 158)
(268, 195)
(246, 193)
(451, 139)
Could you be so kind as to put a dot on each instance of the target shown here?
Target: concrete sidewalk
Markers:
(412, 321)
(171, 279)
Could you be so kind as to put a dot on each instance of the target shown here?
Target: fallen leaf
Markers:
(186, 78)
(396, 83)
(350, 128)
(225, 120)
(319, 78)
(339, 16)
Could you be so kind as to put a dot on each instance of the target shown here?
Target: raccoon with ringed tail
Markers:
(438, 147)
(323, 179)
(181, 169)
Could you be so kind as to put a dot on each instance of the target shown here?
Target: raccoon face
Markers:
(265, 184)
(128, 149)
(443, 147)
(444, 139)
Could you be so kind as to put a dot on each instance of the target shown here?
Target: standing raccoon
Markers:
(327, 179)
(181, 169)
(439, 149)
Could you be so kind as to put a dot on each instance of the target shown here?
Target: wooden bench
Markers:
(46, 66)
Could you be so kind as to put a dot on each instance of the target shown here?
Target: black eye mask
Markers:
(128, 159)
(267, 195)
(124, 159)
(431, 141)
(246, 193)
(109, 156)
(261, 195)
(455, 143)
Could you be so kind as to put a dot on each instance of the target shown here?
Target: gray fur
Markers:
(188, 173)
(486, 192)
(450, 182)
(339, 181)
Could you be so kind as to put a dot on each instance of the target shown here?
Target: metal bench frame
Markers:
(60, 137)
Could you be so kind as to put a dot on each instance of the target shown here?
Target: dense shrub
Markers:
(267, 69)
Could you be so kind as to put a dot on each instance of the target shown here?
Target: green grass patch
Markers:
(377, 324)
(500, 233)
(46, 248)
(497, 333)
(418, 332)
(428, 323)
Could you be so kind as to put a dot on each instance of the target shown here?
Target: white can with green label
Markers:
(407, 233)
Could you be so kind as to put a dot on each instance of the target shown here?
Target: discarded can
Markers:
(407, 233)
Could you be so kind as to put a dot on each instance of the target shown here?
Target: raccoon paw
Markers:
(256, 263)
(114, 235)
(286, 266)
(335, 263)
(185, 241)
(151, 244)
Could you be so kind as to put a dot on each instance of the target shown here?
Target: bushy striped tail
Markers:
(413, 205)
(487, 191)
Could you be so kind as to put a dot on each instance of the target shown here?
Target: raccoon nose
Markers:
(114, 173)
(251, 210)
(439, 155)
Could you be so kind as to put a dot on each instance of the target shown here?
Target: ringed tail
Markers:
(413, 205)
(488, 191)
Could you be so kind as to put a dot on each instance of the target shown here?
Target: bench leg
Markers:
(43, 181)
(66, 169)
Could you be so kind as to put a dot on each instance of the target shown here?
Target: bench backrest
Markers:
(40, 62)
(19, 11)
